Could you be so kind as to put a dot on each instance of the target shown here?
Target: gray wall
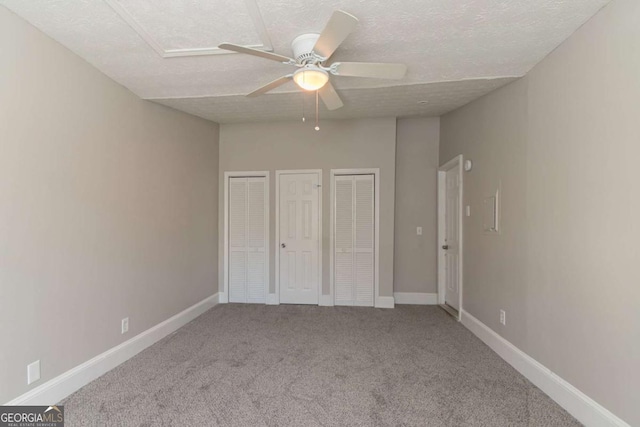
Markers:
(415, 266)
(368, 143)
(564, 143)
(108, 208)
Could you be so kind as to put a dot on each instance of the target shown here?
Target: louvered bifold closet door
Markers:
(363, 240)
(256, 241)
(247, 240)
(343, 241)
(354, 240)
(237, 239)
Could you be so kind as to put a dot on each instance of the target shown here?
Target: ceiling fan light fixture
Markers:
(311, 78)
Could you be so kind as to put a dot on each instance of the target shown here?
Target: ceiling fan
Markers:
(311, 52)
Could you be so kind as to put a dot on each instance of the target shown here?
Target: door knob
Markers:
(283, 245)
(445, 247)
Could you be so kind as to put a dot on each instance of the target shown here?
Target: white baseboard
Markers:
(578, 404)
(56, 389)
(272, 299)
(417, 298)
(326, 301)
(223, 298)
(385, 302)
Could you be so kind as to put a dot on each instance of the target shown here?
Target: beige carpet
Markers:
(256, 365)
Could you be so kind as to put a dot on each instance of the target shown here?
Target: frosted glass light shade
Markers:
(311, 78)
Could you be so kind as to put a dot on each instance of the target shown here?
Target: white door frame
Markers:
(275, 300)
(223, 297)
(376, 268)
(442, 172)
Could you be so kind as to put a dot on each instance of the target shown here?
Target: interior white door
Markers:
(247, 240)
(354, 240)
(452, 237)
(299, 240)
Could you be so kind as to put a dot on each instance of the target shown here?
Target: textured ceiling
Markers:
(431, 99)
(475, 42)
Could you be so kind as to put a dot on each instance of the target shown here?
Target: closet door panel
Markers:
(354, 240)
(237, 239)
(343, 241)
(247, 240)
(364, 240)
(256, 240)
(256, 289)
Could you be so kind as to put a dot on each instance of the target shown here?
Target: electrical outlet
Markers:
(419, 231)
(125, 325)
(503, 317)
(33, 372)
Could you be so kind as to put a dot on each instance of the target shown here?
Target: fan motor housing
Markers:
(302, 47)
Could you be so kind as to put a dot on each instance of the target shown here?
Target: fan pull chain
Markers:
(303, 114)
(317, 126)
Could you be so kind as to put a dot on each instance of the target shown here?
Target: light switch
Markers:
(419, 231)
(468, 210)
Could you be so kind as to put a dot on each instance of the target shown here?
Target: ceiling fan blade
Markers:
(330, 97)
(270, 86)
(369, 69)
(256, 52)
(337, 29)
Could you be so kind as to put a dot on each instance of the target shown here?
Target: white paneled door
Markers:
(247, 249)
(354, 240)
(299, 239)
(452, 237)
